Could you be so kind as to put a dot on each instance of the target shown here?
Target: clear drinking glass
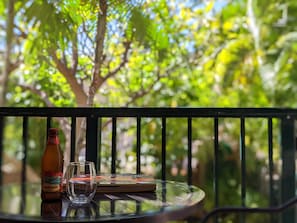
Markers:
(81, 182)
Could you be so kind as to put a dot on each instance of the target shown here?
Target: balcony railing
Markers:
(275, 121)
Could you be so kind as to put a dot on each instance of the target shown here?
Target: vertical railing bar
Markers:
(23, 204)
(113, 145)
(190, 151)
(25, 148)
(112, 207)
(73, 138)
(138, 206)
(138, 144)
(243, 161)
(48, 124)
(1, 148)
(99, 205)
(216, 161)
(272, 200)
(92, 139)
(288, 168)
(270, 161)
(99, 143)
(163, 148)
(164, 193)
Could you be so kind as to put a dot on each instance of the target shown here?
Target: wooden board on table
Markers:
(127, 183)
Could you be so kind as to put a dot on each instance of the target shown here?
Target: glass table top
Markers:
(170, 201)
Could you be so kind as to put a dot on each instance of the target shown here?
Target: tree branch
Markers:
(64, 61)
(80, 95)
(74, 55)
(59, 64)
(146, 90)
(41, 93)
(22, 32)
(15, 65)
(142, 92)
(127, 45)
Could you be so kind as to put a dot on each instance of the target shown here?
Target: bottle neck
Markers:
(53, 140)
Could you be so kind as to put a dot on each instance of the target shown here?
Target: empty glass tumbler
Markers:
(81, 182)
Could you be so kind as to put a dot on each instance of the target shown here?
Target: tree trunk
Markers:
(97, 79)
(8, 47)
(100, 35)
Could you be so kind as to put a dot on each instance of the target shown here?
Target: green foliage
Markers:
(166, 47)
(148, 32)
(53, 19)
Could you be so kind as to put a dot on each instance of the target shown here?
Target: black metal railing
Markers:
(93, 116)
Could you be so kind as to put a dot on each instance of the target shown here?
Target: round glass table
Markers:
(170, 201)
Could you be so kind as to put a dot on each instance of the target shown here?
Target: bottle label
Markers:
(52, 182)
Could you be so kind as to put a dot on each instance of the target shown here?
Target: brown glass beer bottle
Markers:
(52, 168)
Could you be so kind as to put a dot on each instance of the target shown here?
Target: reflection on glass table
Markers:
(170, 201)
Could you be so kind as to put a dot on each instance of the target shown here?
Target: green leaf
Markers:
(287, 39)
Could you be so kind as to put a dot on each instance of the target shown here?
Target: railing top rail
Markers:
(205, 112)
(147, 112)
